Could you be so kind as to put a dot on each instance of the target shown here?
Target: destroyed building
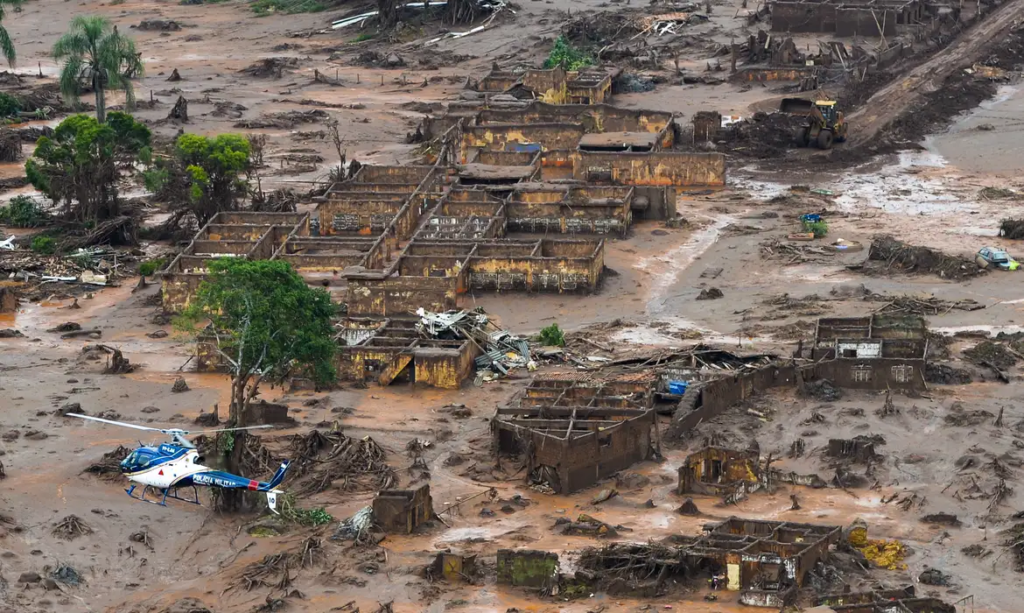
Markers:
(393, 239)
(714, 470)
(733, 474)
(903, 600)
(402, 511)
(574, 431)
(875, 352)
(552, 85)
(849, 18)
(381, 349)
(767, 562)
(255, 236)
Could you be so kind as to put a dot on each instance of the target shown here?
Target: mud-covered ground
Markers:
(941, 450)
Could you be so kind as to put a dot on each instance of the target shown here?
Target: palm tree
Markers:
(96, 55)
(6, 44)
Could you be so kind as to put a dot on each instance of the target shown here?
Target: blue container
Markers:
(677, 387)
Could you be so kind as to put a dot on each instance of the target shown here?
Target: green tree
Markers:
(564, 55)
(97, 56)
(265, 323)
(6, 44)
(80, 166)
(203, 176)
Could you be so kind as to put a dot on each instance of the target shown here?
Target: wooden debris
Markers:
(793, 253)
(70, 528)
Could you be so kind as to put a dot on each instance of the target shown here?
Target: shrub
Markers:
(263, 8)
(314, 517)
(565, 56)
(818, 228)
(44, 245)
(147, 268)
(552, 336)
(22, 212)
(9, 105)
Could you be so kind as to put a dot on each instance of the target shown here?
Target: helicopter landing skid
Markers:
(171, 492)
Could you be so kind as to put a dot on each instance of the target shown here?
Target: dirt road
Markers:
(901, 96)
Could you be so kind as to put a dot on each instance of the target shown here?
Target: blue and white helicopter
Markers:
(170, 466)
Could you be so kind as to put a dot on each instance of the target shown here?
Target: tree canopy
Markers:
(6, 44)
(203, 175)
(265, 323)
(81, 165)
(97, 56)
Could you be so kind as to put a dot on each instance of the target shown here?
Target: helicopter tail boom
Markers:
(278, 476)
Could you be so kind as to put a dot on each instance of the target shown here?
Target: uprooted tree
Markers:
(202, 176)
(80, 167)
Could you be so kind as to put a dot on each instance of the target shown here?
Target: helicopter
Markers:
(168, 467)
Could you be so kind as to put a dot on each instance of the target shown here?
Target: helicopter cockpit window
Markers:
(138, 460)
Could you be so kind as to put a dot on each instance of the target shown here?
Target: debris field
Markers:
(612, 326)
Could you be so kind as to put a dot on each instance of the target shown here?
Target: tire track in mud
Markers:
(671, 265)
(898, 97)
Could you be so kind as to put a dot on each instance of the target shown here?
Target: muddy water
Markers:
(987, 139)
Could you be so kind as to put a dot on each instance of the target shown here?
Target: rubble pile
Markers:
(283, 120)
(274, 570)
(1015, 542)
(989, 353)
(895, 255)
(97, 266)
(764, 135)
(911, 305)
(1012, 229)
(631, 565)
(109, 466)
(271, 67)
(359, 527)
(322, 458)
(502, 351)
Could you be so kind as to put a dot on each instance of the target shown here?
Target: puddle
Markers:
(465, 534)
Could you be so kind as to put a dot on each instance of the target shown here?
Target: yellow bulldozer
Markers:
(825, 123)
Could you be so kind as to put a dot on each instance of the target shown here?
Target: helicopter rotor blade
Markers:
(229, 429)
(112, 422)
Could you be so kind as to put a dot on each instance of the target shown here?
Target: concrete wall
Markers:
(527, 568)
(718, 395)
(865, 22)
(844, 21)
(444, 368)
(366, 215)
(177, 290)
(659, 168)
(399, 296)
(583, 210)
(587, 459)
(803, 17)
(874, 374)
(547, 135)
(594, 118)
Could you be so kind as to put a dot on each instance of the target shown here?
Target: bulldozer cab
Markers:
(828, 111)
(821, 110)
(824, 123)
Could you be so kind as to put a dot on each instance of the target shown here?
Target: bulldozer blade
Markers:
(796, 106)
